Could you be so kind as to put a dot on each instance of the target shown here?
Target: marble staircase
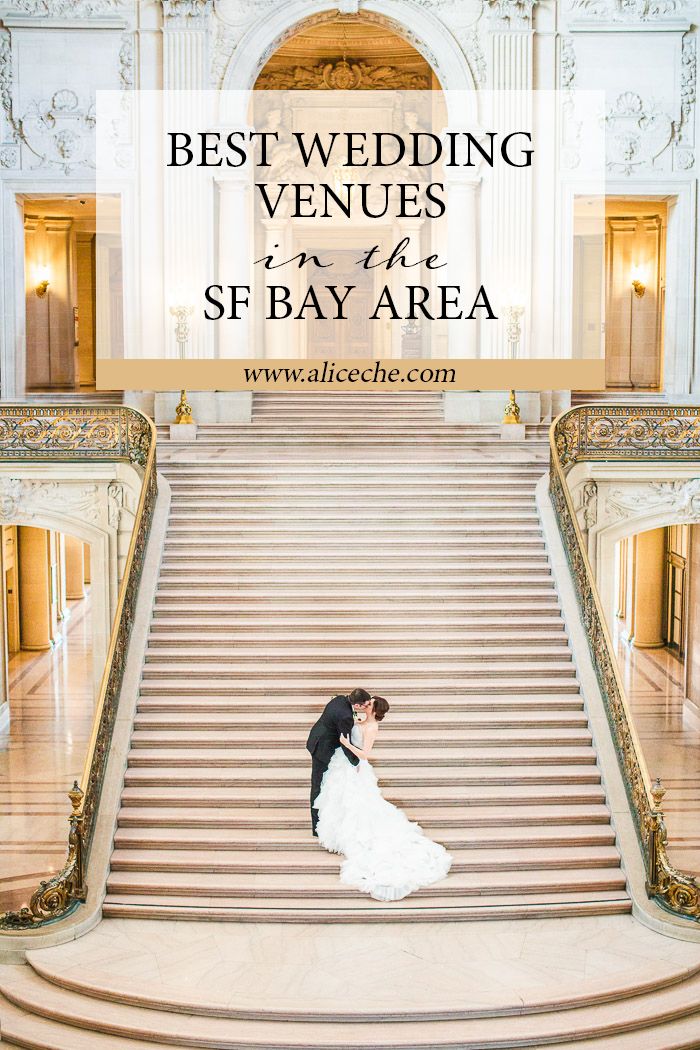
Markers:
(340, 541)
(415, 566)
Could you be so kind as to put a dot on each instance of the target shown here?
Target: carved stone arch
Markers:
(103, 566)
(427, 33)
(608, 535)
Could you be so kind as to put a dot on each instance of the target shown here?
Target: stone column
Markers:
(275, 333)
(234, 262)
(75, 568)
(34, 588)
(462, 259)
(649, 569)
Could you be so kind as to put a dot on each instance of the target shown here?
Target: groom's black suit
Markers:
(324, 738)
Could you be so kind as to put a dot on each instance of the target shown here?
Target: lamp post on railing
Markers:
(183, 411)
(513, 333)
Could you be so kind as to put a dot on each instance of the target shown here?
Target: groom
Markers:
(324, 738)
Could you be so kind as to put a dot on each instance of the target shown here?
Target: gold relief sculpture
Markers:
(82, 433)
(639, 434)
(343, 75)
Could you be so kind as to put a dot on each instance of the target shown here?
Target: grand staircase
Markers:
(344, 541)
(333, 543)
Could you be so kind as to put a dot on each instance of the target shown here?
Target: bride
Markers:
(387, 855)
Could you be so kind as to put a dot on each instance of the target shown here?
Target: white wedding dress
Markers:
(386, 855)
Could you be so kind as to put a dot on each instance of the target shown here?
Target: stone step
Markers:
(495, 807)
(309, 556)
(256, 530)
(182, 632)
(403, 724)
(327, 887)
(413, 734)
(304, 513)
(286, 583)
(454, 676)
(475, 468)
(50, 1013)
(490, 907)
(430, 655)
(493, 705)
(431, 693)
(449, 780)
(235, 611)
(280, 840)
(258, 862)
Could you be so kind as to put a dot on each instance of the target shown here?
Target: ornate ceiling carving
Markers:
(342, 75)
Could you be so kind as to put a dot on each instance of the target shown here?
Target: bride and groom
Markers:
(386, 855)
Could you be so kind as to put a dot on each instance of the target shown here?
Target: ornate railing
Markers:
(639, 434)
(83, 433)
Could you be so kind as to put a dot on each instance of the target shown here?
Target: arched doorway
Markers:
(337, 54)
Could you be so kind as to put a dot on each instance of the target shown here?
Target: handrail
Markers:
(641, 434)
(80, 433)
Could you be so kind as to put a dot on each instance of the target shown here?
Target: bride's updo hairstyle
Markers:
(380, 707)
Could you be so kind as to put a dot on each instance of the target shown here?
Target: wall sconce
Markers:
(638, 282)
(43, 280)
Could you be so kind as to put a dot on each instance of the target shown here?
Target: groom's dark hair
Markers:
(359, 696)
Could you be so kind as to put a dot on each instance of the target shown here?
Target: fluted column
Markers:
(234, 263)
(462, 262)
(187, 195)
(275, 333)
(508, 190)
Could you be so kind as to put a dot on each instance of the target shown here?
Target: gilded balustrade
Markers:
(82, 434)
(635, 434)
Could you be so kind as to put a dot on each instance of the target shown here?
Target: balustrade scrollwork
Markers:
(81, 434)
(639, 434)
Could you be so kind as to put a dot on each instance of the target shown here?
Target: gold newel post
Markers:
(513, 331)
(183, 411)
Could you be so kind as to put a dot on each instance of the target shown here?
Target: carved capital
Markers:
(187, 10)
(512, 13)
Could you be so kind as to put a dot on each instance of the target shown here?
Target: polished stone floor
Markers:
(669, 732)
(51, 709)
(249, 969)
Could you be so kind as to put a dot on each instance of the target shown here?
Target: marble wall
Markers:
(54, 54)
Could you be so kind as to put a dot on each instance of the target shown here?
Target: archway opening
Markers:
(47, 693)
(345, 57)
(346, 52)
(656, 631)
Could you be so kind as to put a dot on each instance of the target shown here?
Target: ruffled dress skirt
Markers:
(386, 855)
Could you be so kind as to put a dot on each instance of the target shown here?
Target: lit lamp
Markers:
(43, 276)
(513, 332)
(638, 282)
(183, 411)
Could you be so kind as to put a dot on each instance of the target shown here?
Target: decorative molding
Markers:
(187, 9)
(64, 8)
(589, 504)
(675, 497)
(567, 71)
(570, 127)
(126, 61)
(512, 12)
(343, 75)
(57, 131)
(115, 495)
(21, 501)
(638, 131)
(470, 42)
(627, 10)
(684, 130)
